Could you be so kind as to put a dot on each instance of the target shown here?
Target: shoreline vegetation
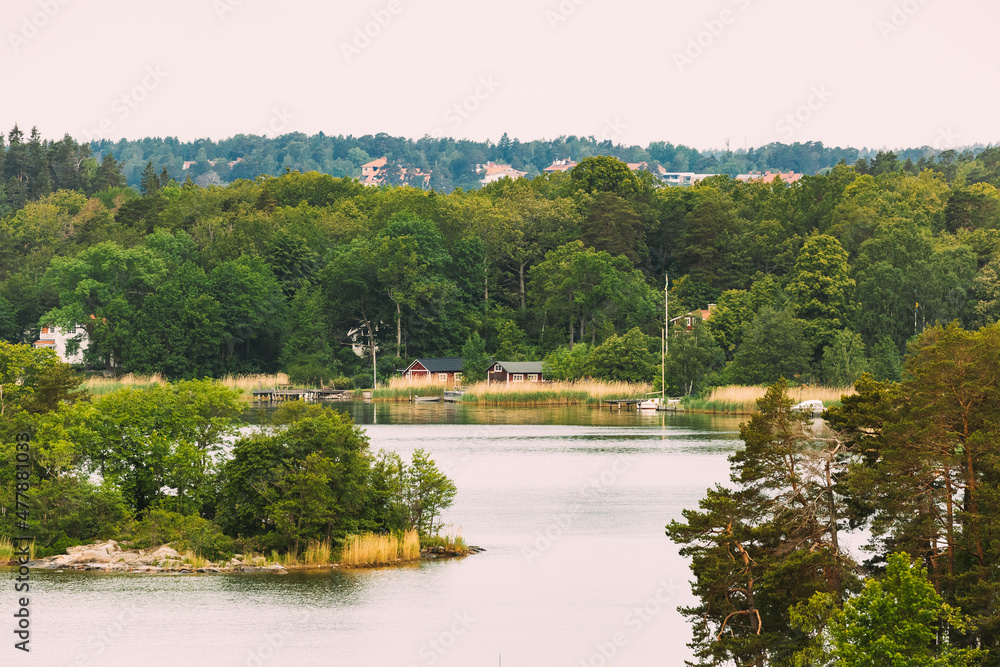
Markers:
(366, 550)
(731, 399)
(742, 400)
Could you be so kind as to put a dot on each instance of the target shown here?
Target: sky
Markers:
(861, 73)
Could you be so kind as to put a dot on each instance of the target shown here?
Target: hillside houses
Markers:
(493, 172)
(769, 177)
(55, 338)
(379, 172)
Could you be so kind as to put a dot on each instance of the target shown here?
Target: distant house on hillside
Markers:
(515, 371)
(680, 178)
(374, 173)
(54, 338)
(769, 176)
(636, 166)
(559, 165)
(447, 370)
(492, 172)
(687, 319)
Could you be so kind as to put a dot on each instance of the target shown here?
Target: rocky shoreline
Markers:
(110, 557)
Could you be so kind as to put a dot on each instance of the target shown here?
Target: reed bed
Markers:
(580, 392)
(194, 560)
(372, 549)
(248, 383)
(245, 383)
(6, 549)
(105, 385)
(738, 399)
(401, 389)
(318, 553)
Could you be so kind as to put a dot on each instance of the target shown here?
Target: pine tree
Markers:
(150, 182)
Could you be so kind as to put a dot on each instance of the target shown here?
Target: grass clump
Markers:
(6, 549)
(739, 399)
(452, 542)
(579, 392)
(374, 549)
(318, 553)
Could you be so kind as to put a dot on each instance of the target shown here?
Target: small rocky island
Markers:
(110, 557)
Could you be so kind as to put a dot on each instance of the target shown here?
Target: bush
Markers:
(183, 532)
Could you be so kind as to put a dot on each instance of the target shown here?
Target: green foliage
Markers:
(31, 379)
(694, 356)
(627, 358)
(775, 345)
(844, 360)
(568, 364)
(899, 620)
(475, 361)
(821, 289)
(769, 544)
(184, 532)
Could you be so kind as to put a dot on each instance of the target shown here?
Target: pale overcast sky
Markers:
(865, 73)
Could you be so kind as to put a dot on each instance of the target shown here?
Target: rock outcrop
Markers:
(110, 557)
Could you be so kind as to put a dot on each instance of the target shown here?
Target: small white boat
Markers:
(649, 404)
(814, 407)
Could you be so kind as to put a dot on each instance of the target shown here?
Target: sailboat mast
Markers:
(665, 346)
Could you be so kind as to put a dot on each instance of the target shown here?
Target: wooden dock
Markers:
(628, 403)
(277, 395)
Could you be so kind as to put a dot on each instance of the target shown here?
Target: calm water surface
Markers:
(570, 504)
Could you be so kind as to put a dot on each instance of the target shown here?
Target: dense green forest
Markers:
(176, 463)
(912, 466)
(816, 281)
(66, 163)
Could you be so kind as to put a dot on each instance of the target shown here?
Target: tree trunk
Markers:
(520, 273)
(571, 334)
(399, 329)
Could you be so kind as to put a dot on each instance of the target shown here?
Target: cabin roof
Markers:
(440, 365)
(520, 366)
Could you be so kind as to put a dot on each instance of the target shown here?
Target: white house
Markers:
(57, 339)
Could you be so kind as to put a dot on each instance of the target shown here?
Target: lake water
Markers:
(570, 504)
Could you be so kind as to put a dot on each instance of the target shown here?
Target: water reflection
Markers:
(570, 503)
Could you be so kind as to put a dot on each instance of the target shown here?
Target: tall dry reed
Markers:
(736, 398)
(515, 393)
(318, 553)
(373, 549)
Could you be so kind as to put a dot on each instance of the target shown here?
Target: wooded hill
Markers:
(815, 281)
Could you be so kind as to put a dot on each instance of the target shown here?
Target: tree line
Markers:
(912, 464)
(176, 463)
(310, 273)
